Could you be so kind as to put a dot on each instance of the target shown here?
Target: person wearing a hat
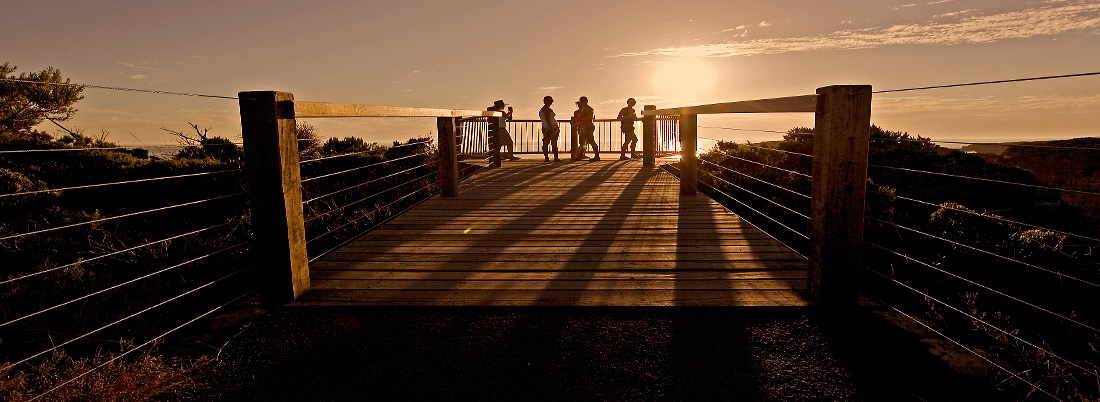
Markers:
(504, 140)
(585, 121)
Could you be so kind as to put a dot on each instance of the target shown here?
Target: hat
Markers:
(498, 103)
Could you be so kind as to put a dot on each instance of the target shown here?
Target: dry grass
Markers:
(146, 377)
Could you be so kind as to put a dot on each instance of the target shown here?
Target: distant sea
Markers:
(160, 151)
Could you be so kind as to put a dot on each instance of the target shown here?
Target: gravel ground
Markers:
(566, 354)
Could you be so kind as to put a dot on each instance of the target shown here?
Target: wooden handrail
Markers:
(790, 104)
(303, 109)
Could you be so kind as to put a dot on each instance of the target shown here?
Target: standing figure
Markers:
(584, 119)
(504, 140)
(550, 129)
(627, 117)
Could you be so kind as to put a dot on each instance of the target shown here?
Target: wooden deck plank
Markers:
(576, 234)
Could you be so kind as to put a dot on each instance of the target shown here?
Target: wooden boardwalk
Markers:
(608, 233)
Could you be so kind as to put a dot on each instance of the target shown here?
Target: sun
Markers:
(685, 77)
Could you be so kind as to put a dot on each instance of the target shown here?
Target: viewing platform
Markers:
(532, 233)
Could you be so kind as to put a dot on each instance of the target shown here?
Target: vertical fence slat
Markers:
(841, 146)
(275, 188)
(649, 138)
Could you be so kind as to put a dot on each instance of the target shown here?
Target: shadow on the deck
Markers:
(608, 233)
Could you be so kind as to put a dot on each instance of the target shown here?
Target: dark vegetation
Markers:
(83, 266)
(925, 232)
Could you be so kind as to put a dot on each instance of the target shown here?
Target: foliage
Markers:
(953, 242)
(362, 189)
(146, 377)
(24, 105)
(200, 145)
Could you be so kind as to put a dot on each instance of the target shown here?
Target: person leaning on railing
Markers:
(584, 119)
(550, 128)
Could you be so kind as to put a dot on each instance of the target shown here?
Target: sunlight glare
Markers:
(685, 76)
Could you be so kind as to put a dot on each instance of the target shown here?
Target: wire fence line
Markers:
(50, 190)
(1064, 190)
(1048, 77)
(989, 253)
(763, 148)
(363, 167)
(364, 183)
(151, 91)
(110, 218)
(755, 178)
(134, 248)
(1000, 144)
(731, 156)
(368, 214)
(989, 216)
(986, 288)
(131, 281)
(147, 343)
(375, 225)
(969, 316)
(939, 333)
(338, 209)
(773, 202)
(128, 317)
(766, 216)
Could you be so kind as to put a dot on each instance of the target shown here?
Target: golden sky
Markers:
(466, 54)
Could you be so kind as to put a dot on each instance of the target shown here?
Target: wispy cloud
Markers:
(764, 24)
(137, 77)
(922, 4)
(142, 67)
(976, 29)
(549, 88)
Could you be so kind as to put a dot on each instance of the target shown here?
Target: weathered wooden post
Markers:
(649, 137)
(841, 144)
(689, 175)
(448, 156)
(495, 125)
(275, 188)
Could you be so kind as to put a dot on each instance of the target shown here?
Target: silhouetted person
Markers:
(550, 129)
(584, 119)
(627, 117)
(504, 140)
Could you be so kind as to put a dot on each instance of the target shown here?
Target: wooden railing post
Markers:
(275, 188)
(841, 145)
(494, 141)
(689, 175)
(448, 156)
(649, 138)
(574, 143)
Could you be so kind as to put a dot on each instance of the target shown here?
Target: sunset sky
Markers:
(466, 54)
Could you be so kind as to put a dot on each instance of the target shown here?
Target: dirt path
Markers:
(599, 354)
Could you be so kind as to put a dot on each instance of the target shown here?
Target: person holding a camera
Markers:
(504, 139)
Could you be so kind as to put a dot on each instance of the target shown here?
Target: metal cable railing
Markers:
(129, 282)
(51, 190)
(131, 316)
(110, 218)
(143, 345)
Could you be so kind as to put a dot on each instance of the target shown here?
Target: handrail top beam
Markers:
(790, 104)
(304, 109)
